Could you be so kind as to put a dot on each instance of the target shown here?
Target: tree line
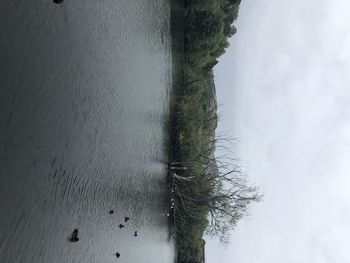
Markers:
(209, 193)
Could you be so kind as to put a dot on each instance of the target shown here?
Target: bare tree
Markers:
(221, 190)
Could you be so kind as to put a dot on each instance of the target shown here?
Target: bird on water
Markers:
(117, 254)
(74, 237)
(121, 226)
(57, 1)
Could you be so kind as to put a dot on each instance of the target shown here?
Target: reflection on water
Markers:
(84, 93)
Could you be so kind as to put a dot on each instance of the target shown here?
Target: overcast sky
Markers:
(284, 90)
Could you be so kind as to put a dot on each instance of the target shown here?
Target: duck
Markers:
(111, 212)
(121, 225)
(135, 234)
(117, 254)
(126, 219)
(74, 237)
(57, 1)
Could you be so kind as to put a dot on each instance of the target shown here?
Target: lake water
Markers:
(83, 102)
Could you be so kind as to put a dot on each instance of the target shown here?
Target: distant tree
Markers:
(209, 193)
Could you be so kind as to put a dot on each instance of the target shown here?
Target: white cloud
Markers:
(289, 103)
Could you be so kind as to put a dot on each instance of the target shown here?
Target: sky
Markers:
(283, 90)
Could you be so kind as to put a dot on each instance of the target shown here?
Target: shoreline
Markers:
(200, 202)
(177, 25)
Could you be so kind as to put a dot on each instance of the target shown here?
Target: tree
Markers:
(218, 190)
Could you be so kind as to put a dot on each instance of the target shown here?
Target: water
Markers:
(83, 100)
